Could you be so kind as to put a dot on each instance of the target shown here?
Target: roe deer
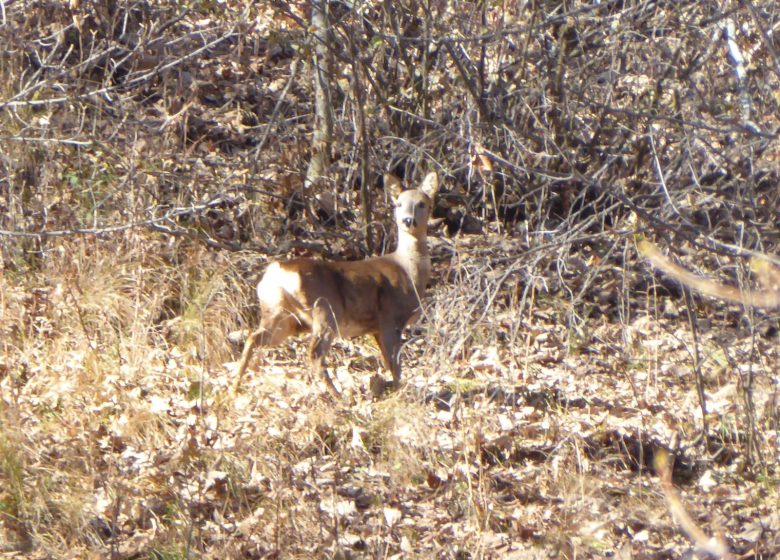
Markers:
(378, 295)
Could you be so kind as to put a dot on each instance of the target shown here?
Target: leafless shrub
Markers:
(152, 158)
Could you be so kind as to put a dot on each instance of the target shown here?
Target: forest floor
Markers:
(517, 436)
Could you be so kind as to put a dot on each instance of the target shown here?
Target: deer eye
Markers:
(421, 204)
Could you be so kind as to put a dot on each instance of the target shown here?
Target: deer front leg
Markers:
(389, 340)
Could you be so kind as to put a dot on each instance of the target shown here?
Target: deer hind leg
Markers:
(273, 330)
(389, 340)
(323, 330)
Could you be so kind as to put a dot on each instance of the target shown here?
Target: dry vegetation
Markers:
(152, 157)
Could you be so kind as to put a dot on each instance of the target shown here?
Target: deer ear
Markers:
(430, 185)
(392, 185)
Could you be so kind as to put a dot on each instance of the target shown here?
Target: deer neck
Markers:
(412, 256)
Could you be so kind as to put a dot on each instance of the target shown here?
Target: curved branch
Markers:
(768, 298)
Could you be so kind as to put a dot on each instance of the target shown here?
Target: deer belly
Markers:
(350, 329)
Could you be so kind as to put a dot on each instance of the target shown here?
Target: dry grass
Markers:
(118, 438)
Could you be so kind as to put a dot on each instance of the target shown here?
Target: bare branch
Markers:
(759, 298)
(715, 546)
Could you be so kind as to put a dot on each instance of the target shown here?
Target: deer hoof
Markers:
(378, 385)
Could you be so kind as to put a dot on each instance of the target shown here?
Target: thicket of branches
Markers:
(562, 117)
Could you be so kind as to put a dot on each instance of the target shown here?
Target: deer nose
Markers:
(408, 222)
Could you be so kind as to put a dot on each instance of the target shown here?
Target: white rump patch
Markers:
(275, 282)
